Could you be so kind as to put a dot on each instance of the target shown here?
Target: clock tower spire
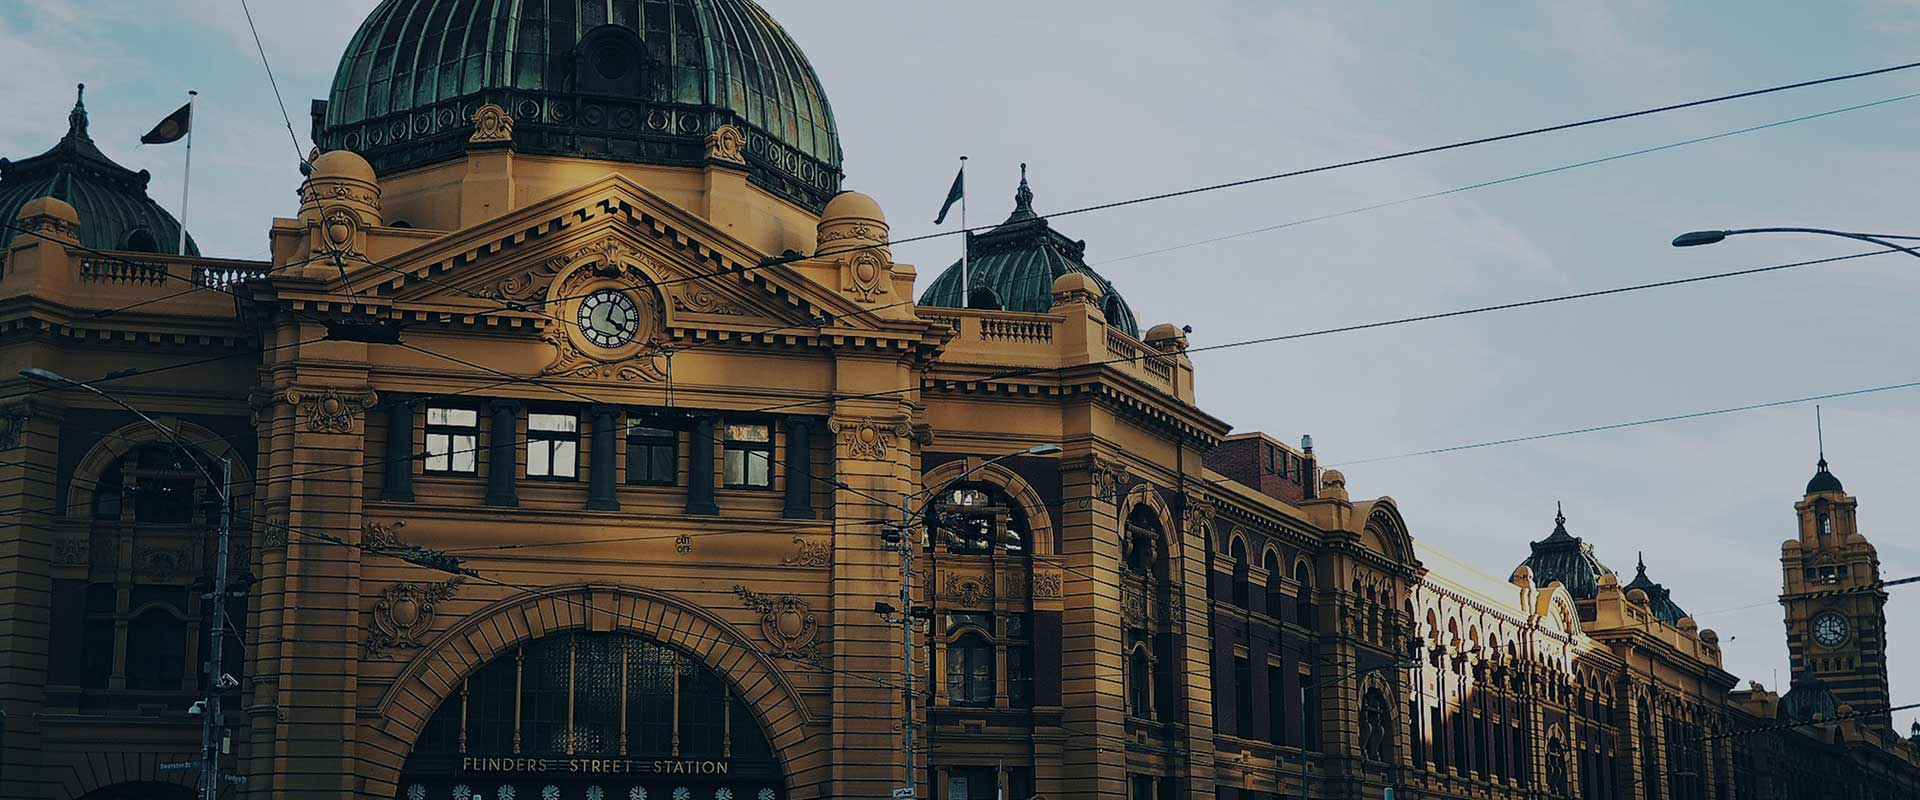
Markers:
(1835, 612)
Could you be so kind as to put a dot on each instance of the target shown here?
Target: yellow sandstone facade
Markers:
(674, 403)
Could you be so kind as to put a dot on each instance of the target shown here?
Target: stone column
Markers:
(1092, 674)
(602, 491)
(1193, 646)
(503, 453)
(700, 446)
(28, 491)
(799, 472)
(396, 483)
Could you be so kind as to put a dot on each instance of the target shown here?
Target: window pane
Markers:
(437, 446)
(565, 459)
(563, 423)
(665, 470)
(748, 433)
(437, 416)
(156, 651)
(538, 459)
(649, 434)
(464, 453)
(760, 469)
(736, 468)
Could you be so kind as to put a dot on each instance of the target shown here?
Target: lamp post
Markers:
(212, 719)
(1306, 785)
(906, 599)
(1706, 237)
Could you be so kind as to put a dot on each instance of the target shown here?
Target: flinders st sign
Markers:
(593, 766)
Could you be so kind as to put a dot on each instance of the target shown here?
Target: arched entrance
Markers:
(583, 715)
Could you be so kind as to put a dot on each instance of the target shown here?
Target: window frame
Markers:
(553, 442)
(454, 434)
(645, 432)
(978, 651)
(748, 449)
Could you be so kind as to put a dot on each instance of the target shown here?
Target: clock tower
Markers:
(1835, 614)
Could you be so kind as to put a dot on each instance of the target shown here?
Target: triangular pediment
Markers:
(507, 267)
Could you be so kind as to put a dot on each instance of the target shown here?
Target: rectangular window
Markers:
(1020, 676)
(1309, 716)
(653, 456)
(1243, 698)
(971, 783)
(553, 446)
(1416, 735)
(1276, 705)
(749, 456)
(453, 437)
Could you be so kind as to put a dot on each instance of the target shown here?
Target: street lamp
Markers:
(1706, 237)
(1306, 785)
(906, 596)
(212, 721)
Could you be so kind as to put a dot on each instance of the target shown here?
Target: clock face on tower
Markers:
(608, 318)
(1830, 629)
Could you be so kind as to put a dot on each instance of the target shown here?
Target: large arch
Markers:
(1022, 493)
(438, 671)
(114, 445)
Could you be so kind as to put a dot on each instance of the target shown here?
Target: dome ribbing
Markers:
(115, 211)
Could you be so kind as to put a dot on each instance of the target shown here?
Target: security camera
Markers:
(228, 681)
(199, 707)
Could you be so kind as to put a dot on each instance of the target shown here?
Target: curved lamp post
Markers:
(906, 595)
(1699, 238)
(212, 720)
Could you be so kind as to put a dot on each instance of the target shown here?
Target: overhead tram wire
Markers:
(295, 138)
(1394, 156)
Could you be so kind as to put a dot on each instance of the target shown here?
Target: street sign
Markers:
(243, 779)
(902, 793)
(173, 766)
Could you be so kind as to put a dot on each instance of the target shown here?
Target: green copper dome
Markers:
(1566, 558)
(115, 211)
(619, 80)
(1015, 264)
(1658, 598)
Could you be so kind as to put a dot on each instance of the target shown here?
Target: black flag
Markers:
(954, 194)
(172, 129)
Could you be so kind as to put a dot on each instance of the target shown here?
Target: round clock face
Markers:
(1830, 629)
(608, 318)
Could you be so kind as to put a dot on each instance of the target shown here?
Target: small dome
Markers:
(1076, 283)
(49, 207)
(1164, 330)
(852, 205)
(1566, 558)
(343, 164)
(111, 199)
(1809, 698)
(608, 80)
(1014, 267)
(1824, 481)
(1660, 600)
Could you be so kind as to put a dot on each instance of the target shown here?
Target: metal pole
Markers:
(906, 645)
(213, 726)
(966, 246)
(186, 177)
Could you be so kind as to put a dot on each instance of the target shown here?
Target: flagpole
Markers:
(186, 178)
(966, 289)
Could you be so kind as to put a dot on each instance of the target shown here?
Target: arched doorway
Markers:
(593, 716)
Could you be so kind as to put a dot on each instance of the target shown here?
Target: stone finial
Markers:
(853, 235)
(491, 125)
(1167, 337)
(727, 145)
(1076, 287)
(77, 118)
(1333, 485)
(48, 218)
(340, 202)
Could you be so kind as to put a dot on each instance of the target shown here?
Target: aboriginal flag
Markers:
(172, 129)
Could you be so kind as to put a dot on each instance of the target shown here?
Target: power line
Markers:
(1635, 423)
(302, 157)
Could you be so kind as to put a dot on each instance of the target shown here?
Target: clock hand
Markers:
(597, 320)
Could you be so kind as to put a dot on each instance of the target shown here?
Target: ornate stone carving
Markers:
(340, 234)
(1107, 476)
(377, 535)
(1046, 583)
(328, 410)
(787, 622)
(13, 420)
(969, 590)
(1014, 585)
(525, 284)
(1199, 514)
(1133, 604)
(273, 532)
(646, 365)
(701, 300)
(72, 552)
(161, 563)
(404, 613)
(726, 143)
(866, 274)
(491, 123)
(810, 553)
(869, 439)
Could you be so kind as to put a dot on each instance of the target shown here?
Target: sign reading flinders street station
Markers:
(593, 766)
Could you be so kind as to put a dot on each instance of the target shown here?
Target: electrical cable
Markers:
(302, 157)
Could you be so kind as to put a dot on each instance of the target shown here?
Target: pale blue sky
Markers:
(1115, 98)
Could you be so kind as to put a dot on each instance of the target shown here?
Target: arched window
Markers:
(974, 518)
(1826, 524)
(141, 240)
(1303, 605)
(1238, 552)
(1275, 595)
(970, 671)
(157, 648)
(1556, 767)
(593, 696)
(1140, 684)
(1143, 540)
(1376, 726)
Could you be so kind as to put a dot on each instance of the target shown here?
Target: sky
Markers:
(1111, 99)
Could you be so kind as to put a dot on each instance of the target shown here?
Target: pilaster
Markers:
(27, 476)
(1092, 680)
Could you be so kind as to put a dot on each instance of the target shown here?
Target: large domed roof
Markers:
(115, 211)
(1013, 267)
(619, 80)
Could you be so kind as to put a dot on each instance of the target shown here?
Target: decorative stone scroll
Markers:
(404, 613)
(869, 439)
(1107, 476)
(525, 284)
(727, 144)
(13, 420)
(160, 563)
(969, 590)
(1046, 583)
(329, 410)
(1198, 516)
(787, 622)
(379, 535)
(72, 552)
(491, 124)
(810, 553)
(273, 532)
(701, 300)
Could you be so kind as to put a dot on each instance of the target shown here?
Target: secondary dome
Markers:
(115, 211)
(1568, 559)
(1824, 481)
(1013, 267)
(617, 80)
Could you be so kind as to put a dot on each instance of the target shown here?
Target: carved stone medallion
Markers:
(491, 123)
(969, 590)
(787, 623)
(869, 439)
(404, 613)
(328, 410)
(727, 144)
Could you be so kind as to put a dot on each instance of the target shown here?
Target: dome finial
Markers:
(1559, 515)
(77, 118)
(1023, 197)
(1640, 568)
